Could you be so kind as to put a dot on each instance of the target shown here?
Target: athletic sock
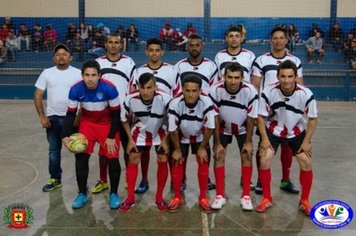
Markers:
(162, 175)
(220, 180)
(306, 180)
(286, 159)
(265, 178)
(246, 180)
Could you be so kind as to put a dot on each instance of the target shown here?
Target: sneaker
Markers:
(219, 202)
(304, 205)
(80, 201)
(205, 205)
(142, 188)
(175, 203)
(162, 206)
(211, 185)
(114, 201)
(125, 206)
(258, 188)
(264, 205)
(52, 184)
(246, 203)
(99, 187)
(289, 187)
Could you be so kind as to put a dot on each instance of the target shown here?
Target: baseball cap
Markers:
(59, 46)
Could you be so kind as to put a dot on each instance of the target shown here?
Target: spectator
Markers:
(347, 45)
(83, 30)
(98, 47)
(24, 36)
(37, 38)
(336, 37)
(71, 31)
(4, 31)
(166, 33)
(189, 30)
(179, 41)
(12, 45)
(105, 31)
(49, 37)
(293, 37)
(315, 28)
(315, 44)
(352, 54)
(122, 33)
(91, 34)
(78, 45)
(3, 53)
(132, 37)
(353, 30)
(8, 22)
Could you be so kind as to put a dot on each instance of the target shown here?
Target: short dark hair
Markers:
(288, 64)
(234, 67)
(192, 79)
(194, 36)
(156, 41)
(234, 28)
(113, 35)
(91, 64)
(278, 28)
(145, 77)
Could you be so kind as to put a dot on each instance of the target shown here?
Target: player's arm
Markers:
(67, 127)
(256, 81)
(177, 153)
(306, 144)
(38, 101)
(265, 143)
(110, 141)
(218, 148)
(131, 145)
(201, 153)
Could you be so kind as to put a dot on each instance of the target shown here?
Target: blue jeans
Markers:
(55, 145)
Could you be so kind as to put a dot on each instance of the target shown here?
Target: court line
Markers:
(205, 223)
(242, 226)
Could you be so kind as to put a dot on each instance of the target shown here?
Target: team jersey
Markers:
(234, 109)
(244, 57)
(119, 72)
(190, 121)
(166, 77)
(265, 66)
(284, 114)
(206, 70)
(96, 104)
(148, 120)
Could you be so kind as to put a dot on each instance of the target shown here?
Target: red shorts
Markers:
(98, 133)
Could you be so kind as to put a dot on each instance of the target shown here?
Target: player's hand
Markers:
(177, 156)
(202, 154)
(45, 122)
(219, 151)
(248, 147)
(111, 145)
(131, 146)
(306, 147)
(163, 147)
(264, 146)
(65, 142)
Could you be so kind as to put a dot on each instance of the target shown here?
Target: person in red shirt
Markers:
(50, 37)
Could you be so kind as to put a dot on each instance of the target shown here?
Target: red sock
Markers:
(162, 175)
(246, 180)
(265, 178)
(131, 176)
(220, 180)
(286, 159)
(306, 180)
(145, 161)
(103, 169)
(203, 175)
(258, 160)
(177, 174)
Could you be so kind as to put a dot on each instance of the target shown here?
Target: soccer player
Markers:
(235, 53)
(57, 81)
(166, 80)
(280, 120)
(205, 69)
(264, 74)
(144, 117)
(191, 124)
(118, 69)
(236, 106)
(100, 108)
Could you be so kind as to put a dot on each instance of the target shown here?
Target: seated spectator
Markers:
(91, 34)
(83, 30)
(24, 37)
(189, 30)
(12, 46)
(293, 37)
(98, 48)
(347, 45)
(71, 31)
(3, 53)
(336, 37)
(315, 28)
(105, 31)
(178, 42)
(352, 54)
(4, 31)
(122, 33)
(166, 33)
(37, 38)
(49, 38)
(77, 45)
(315, 44)
(353, 30)
(132, 37)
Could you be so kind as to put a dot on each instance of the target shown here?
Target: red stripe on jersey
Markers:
(272, 125)
(216, 109)
(192, 139)
(135, 134)
(284, 132)
(296, 131)
(307, 111)
(222, 127)
(72, 109)
(176, 92)
(161, 133)
(234, 129)
(249, 109)
(148, 140)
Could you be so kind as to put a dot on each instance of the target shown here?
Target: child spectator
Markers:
(24, 37)
(293, 37)
(37, 38)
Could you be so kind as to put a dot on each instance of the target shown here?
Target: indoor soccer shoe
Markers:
(205, 205)
(246, 203)
(52, 184)
(174, 204)
(80, 201)
(219, 202)
(162, 206)
(114, 201)
(258, 188)
(289, 187)
(304, 205)
(126, 205)
(142, 188)
(99, 187)
(264, 205)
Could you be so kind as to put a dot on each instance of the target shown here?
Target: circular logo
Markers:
(331, 214)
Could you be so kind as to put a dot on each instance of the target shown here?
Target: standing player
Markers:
(100, 109)
(235, 53)
(264, 74)
(280, 120)
(166, 80)
(57, 80)
(191, 123)
(236, 106)
(144, 116)
(202, 67)
(118, 69)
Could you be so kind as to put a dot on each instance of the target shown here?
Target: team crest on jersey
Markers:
(18, 216)
(149, 107)
(233, 58)
(195, 68)
(113, 64)
(191, 111)
(232, 97)
(155, 72)
(279, 62)
(99, 95)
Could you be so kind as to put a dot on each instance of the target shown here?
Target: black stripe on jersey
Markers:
(202, 77)
(173, 112)
(126, 108)
(162, 81)
(214, 101)
(252, 100)
(222, 66)
(277, 105)
(188, 117)
(269, 67)
(147, 113)
(265, 98)
(309, 100)
(113, 71)
(256, 64)
(132, 71)
(207, 110)
(231, 104)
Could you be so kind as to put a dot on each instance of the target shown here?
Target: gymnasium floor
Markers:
(23, 171)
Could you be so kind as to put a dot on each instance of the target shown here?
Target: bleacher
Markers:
(330, 80)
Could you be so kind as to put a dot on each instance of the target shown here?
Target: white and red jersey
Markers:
(95, 104)
(265, 66)
(120, 73)
(244, 57)
(148, 120)
(206, 70)
(166, 77)
(234, 109)
(284, 114)
(191, 121)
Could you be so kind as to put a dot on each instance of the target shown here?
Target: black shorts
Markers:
(227, 139)
(293, 143)
(148, 148)
(184, 147)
